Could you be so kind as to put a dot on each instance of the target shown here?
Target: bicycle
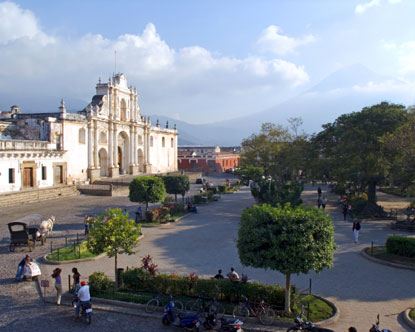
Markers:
(264, 313)
(205, 304)
(156, 301)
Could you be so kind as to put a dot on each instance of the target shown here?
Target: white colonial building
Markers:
(108, 138)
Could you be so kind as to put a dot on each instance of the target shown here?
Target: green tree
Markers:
(268, 191)
(112, 232)
(286, 239)
(176, 184)
(351, 148)
(249, 172)
(147, 189)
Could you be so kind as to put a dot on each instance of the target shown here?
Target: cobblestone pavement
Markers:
(203, 243)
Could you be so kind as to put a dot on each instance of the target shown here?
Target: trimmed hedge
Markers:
(137, 279)
(99, 282)
(401, 245)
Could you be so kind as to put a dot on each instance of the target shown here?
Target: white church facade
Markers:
(108, 138)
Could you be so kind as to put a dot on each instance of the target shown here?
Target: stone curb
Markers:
(383, 262)
(407, 319)
(44, 260)
(333, 319)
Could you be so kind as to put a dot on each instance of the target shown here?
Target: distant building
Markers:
(108, 138)
(208, 159)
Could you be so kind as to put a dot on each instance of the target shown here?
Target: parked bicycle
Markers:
(160, 300)
(205, 305)
(260, 310)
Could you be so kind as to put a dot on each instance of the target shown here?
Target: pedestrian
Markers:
(86, 225)
(219, 275)
(138, 215)
(345, 209)
(319, 191)
(58, 284)
(76, 279)
(323, 203)
(319, 202)
(232, 275)
(20, 267)
(356, 229)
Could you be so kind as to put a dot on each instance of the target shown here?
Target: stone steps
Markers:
(36, 195)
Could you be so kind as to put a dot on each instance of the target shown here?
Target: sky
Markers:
(202, 61)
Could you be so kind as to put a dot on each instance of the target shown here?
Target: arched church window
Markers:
(172, 143)
(151, 141)
(82, 136)
(140, 139)
(163, 142)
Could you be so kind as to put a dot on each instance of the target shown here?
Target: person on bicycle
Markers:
(84, 298)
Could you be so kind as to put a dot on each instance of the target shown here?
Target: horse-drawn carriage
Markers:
(26, 231)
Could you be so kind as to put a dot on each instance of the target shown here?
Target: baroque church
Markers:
(108, 138)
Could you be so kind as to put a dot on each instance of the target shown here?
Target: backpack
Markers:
(358, 226)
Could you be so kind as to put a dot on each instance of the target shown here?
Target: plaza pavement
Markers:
(204, 242)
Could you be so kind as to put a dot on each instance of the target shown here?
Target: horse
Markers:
(46, 226)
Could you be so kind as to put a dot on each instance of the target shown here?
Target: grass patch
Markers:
(380, 253)
(412, 314)
(79, 251)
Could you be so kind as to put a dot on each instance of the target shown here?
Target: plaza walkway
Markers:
(205, 242)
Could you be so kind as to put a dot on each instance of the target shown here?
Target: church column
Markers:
(96, 163)
(90, 158)
(110, 148)
(115, 147)
(135, 147)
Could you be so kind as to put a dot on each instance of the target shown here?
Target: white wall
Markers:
(76, 156)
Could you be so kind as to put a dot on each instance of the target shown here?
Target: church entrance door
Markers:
(27, 177)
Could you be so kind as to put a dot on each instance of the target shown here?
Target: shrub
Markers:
(99, 282)
(169, 199)
(411, 191)
(164, 213)
(401, 245)
(141, 280)
(179, 208)
(222, 188)
(149, 265)
(197, 199)
(340, 189)
(214, 190)
(153, 215)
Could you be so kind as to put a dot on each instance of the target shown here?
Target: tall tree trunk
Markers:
(116, 268)
(371, 194)
(288, 293)
(146, 206)
(175, 197)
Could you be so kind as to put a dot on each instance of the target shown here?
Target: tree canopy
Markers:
(286, 239)
(351, 148)
(112, 232)
(176, 184)
(147, 189)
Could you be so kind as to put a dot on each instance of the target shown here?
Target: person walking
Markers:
(86, 224)
(58, 284)
(319, 191)
(76, 279)
(356, 229)
(323, 203)
(345, 210)
(319, 202)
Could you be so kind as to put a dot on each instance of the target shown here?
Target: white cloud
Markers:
(273, 40)
(37, 64)
(405, 54)
(362, 7)
(16, 23)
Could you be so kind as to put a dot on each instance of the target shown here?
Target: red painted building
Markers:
(207, 162)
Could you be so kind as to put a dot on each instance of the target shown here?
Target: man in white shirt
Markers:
(84, 298)
(233, 276)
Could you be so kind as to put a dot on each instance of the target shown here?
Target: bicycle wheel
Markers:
(220, 309)
(266, 316)
(193, 305)
(152, 305)
(178, 306)
(241, 312)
